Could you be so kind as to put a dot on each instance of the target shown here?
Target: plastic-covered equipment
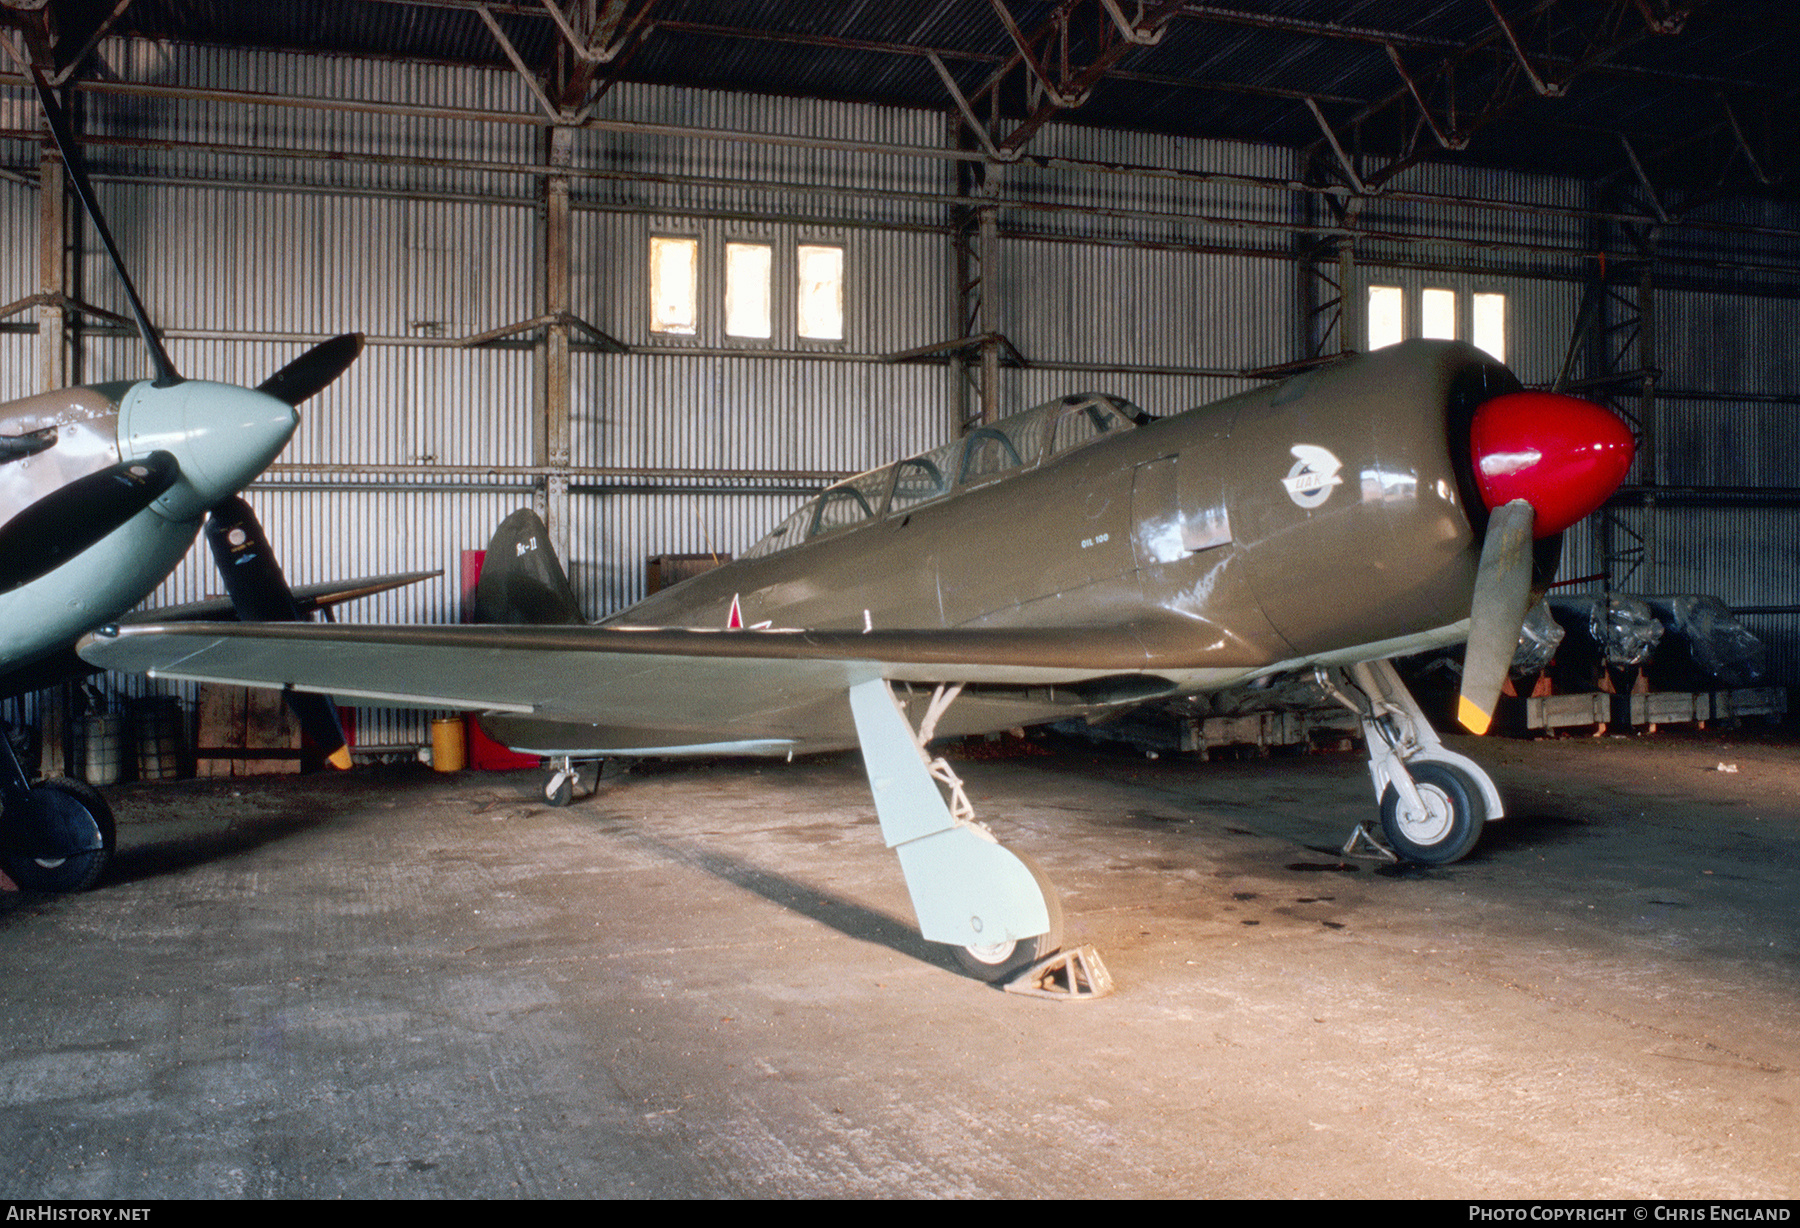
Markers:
(1609, 633)
(1539, 638)
(1627, 630)
(1288, 692)
(1706, 647)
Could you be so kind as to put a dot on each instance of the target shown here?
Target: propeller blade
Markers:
(318, 718)
(70, 519)
(309, 374)
(1502, 595)
(260, 593)
(166, 374)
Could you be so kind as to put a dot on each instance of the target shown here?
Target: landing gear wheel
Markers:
(1449, 827)
(1000, 961)
(559, 790)
(62, 814)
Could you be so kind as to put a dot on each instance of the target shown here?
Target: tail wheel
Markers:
(1449, 824)
(68, 831)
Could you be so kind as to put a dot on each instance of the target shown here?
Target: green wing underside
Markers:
(656, 687)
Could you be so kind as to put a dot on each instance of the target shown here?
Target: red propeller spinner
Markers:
(1560, 454)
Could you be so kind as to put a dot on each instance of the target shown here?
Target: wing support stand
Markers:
(1433, 801)
(968, 890)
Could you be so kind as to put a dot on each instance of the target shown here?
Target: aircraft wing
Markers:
(659, 677)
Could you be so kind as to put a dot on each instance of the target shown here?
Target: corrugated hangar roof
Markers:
(1701, 94)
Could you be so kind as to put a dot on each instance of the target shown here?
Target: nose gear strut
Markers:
(1434, 802)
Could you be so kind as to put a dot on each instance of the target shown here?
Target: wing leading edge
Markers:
(703, 685)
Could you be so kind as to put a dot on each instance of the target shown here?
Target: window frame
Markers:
(697, 299)
(843, 287)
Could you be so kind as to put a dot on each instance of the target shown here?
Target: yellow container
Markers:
(447, 746)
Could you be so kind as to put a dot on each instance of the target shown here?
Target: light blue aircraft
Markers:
(103, 489)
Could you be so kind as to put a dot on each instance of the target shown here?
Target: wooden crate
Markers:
(245, 731)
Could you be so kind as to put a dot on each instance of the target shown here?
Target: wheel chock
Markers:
(1375, 849)
(1067, 976)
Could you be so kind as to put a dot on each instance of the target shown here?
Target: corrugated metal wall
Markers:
(1097, 269)
(18, 270)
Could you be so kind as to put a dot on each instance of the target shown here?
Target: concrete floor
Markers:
(704, 981)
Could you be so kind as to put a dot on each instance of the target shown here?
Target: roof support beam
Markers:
(1344, 161)
(518, 63)
(1053, 82)
(1644, 179)
(1424, 107)
(1028, 55)
(1543, 88)
(614, 33)
(1502, 87)
(100, 32)
(968, 112)
(1743, 145)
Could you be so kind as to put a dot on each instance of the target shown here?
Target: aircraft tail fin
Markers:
(522, 580)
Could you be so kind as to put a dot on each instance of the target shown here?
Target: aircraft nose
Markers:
(1560, 454)
(221, 435)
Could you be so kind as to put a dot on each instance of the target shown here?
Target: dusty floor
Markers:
(704, 980)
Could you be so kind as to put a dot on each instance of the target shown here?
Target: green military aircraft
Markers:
(1070, 560)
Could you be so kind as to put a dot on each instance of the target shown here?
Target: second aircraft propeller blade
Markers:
(259, 592)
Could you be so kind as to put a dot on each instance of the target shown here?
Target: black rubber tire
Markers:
(1449, 832)
(78, 871)
(1000, 963)
(563, 794)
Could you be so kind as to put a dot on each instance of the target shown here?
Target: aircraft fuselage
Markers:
(1322, 513)
(1327, 518)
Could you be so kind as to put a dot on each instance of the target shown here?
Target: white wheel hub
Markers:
(992, 953)
(1434, 824)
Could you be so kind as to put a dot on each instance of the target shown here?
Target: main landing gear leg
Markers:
(1434, 801)
(56, 835)
(993, 905)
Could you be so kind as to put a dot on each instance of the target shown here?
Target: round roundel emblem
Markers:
(1314, 473)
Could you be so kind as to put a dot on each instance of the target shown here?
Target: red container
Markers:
(485, 754)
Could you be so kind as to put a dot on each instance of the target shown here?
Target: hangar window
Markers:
(1387, 316)
(749, 278)
(1444, 313)
(746, 288)
(1437, 314)
(820, 292)
(1490, 325)
(674, 285)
